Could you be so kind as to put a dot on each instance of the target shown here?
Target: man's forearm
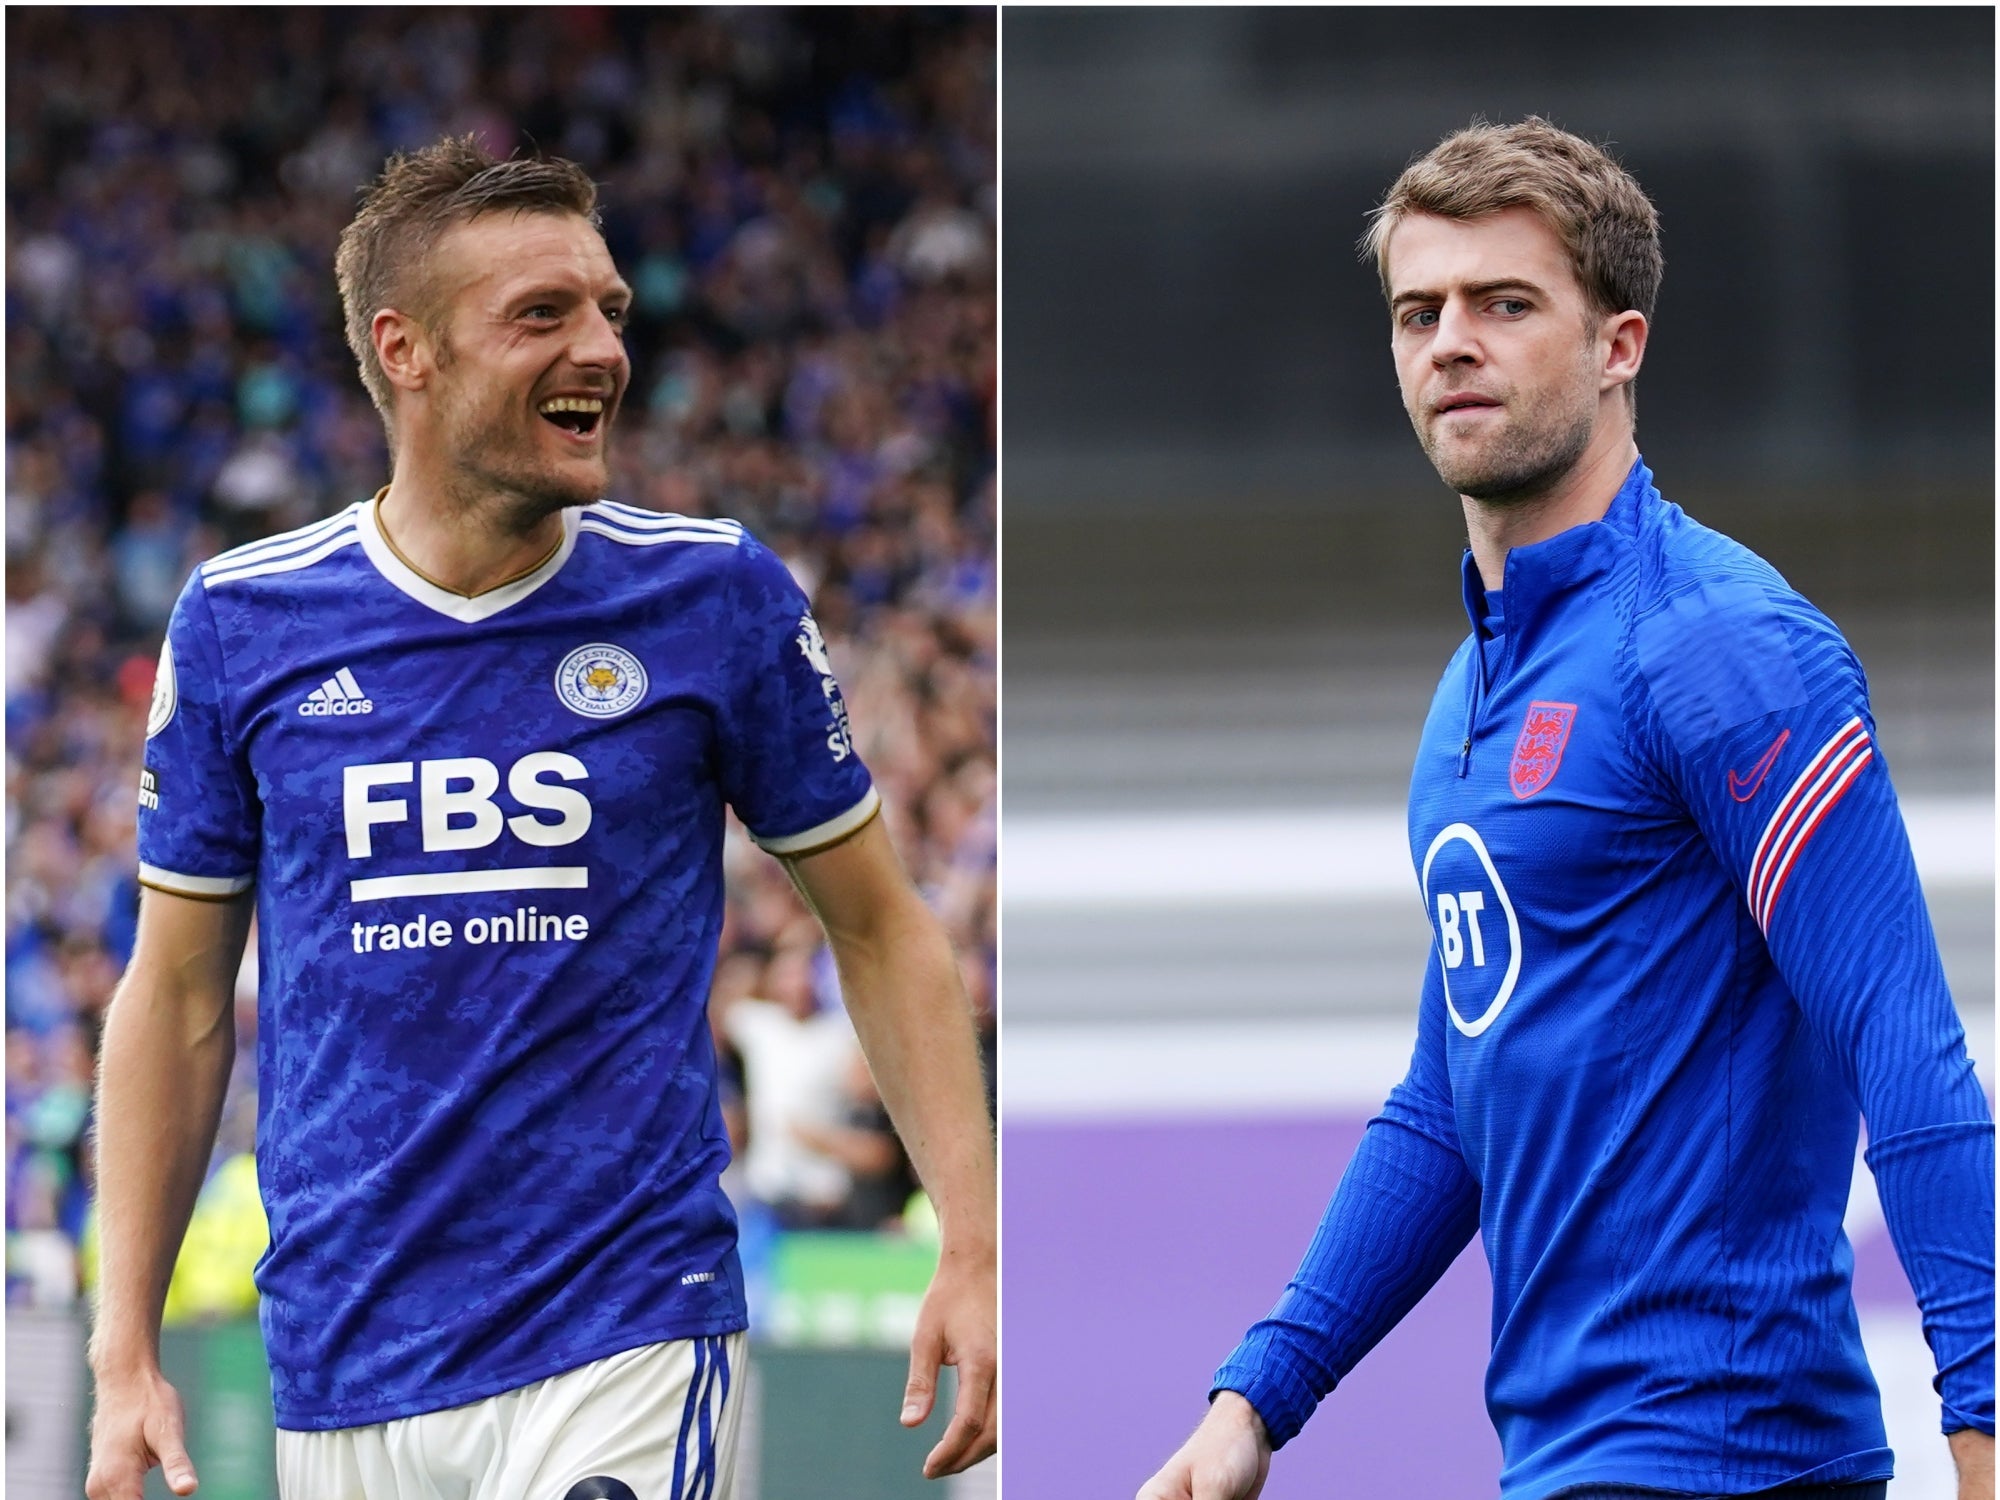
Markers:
(909, 1010)
(1972, 1453)
(1404, 1209)
(903, 995)
(1936, 1187)
(169, 1041)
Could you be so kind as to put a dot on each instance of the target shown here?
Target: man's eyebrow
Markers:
(565, 292)
(540, 292)
(1471, 289)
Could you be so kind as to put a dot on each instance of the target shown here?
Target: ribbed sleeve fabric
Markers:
(1849, 932)
(1404, 1208)
(1936, 1186)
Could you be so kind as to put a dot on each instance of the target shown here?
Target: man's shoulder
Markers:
(1718, 633)
(647, 539)
(1704, 588)
(707, 574)
(274, 562)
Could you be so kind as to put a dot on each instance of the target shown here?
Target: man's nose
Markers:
(599, 344)
(1457, 335)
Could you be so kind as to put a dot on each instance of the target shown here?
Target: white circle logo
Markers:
(1451, 946)
(166, 693)
(600, 681)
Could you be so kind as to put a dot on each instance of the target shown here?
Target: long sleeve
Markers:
(1797, 804)
(1403, 1210)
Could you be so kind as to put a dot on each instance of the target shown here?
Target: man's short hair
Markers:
(384, 255)
(1603, 218)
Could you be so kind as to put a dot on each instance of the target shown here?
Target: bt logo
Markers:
(1471, 904)
(1462, 941)
(455, 801)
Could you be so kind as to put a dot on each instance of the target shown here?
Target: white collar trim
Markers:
(444, 601)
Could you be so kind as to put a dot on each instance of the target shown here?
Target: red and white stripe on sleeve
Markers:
(1823, 783)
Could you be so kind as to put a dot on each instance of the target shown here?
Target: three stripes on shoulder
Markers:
(302, 548)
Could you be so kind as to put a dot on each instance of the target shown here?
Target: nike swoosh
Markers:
(1743, 788)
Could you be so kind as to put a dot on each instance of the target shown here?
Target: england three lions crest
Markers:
(1538, 753)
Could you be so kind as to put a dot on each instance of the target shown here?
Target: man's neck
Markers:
(466, 548)
(1583, 495)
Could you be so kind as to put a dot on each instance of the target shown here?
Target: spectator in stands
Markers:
(805, 200)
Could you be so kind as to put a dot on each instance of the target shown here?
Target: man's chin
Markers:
(1503, 478)
(526, 500)
(1495, 484)
(579, 479)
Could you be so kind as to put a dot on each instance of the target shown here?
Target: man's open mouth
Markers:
(578, 415)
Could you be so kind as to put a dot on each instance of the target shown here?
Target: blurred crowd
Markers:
(803, 201)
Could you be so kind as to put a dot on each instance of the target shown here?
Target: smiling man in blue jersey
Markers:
(466, 748)
(1680, 950)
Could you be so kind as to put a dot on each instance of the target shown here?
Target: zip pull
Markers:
(1465, 758)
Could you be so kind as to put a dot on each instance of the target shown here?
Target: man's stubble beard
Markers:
(1531, 456)
(517, 496)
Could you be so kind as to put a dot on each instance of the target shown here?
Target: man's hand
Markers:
(901, 986)
(1972, 1451)
(169, 1040)
(955, 1327)
(1226, 1459)
(138, 1423)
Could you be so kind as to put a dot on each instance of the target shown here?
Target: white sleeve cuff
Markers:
(203, 887)
(832, 831)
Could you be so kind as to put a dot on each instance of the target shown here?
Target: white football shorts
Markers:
(654, 1423)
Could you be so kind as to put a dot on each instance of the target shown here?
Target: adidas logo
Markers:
(339, 694)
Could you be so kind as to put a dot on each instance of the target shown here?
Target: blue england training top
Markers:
(485, 837)
(1680, 953)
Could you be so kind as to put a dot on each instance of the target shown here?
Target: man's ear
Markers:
(404, 348)
(1625, 333)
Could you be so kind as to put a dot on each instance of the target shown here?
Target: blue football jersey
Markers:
(1680, 951)
(485, 837)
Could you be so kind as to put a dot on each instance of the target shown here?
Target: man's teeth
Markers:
(592, 404)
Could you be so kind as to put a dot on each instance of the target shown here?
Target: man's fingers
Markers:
(965, 1442)
(123, 1476)
(179, 1471)
(114, 1482)
(970, 1437)
(926, 1353)
(1202, 1471)
(137, 1424)
(166, 1439)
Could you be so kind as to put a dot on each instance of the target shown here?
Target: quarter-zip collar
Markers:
(1536, 580)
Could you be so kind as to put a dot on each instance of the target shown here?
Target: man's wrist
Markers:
(1235, 1408)
(119, 1374)
(967, 1238)
(124, 1357)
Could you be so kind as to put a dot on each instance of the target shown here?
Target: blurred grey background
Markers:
(1230, 578)
(1229, 572)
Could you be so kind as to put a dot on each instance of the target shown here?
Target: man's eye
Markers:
(541, 311)
(1423, 317)
(1511, 306)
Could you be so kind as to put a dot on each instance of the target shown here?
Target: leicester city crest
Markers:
(600, 681)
